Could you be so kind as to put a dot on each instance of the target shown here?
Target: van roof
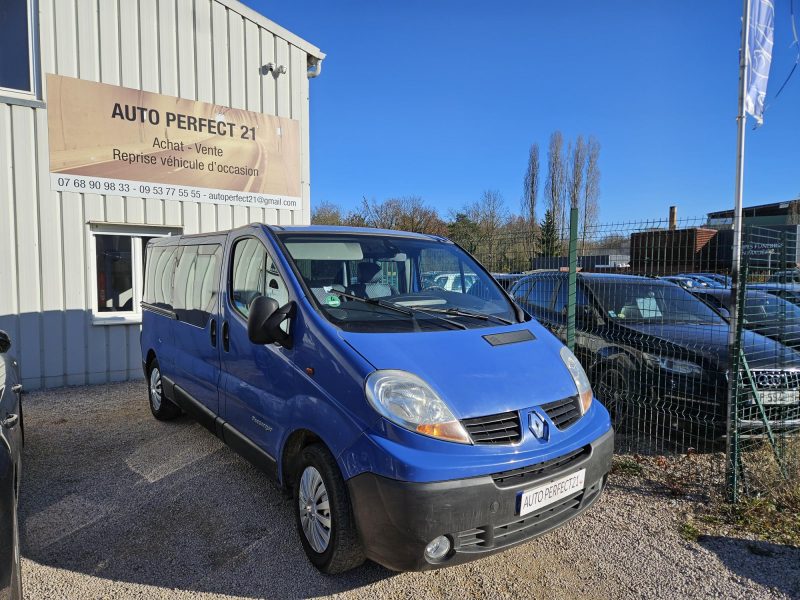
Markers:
(338, 229)
(330, 229)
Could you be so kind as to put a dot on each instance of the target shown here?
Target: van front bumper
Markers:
(397, 519)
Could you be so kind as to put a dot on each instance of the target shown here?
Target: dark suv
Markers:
(656, 353)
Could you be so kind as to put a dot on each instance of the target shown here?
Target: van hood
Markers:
(474, 377)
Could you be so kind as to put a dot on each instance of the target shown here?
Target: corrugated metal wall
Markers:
(208, 50)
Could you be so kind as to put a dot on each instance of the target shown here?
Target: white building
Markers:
(80, 187)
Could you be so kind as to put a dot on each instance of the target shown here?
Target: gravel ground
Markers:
(118, 505)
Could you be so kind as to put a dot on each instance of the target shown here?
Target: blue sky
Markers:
(442, 100)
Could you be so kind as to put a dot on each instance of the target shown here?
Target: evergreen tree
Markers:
(464, 231)
(549, 242)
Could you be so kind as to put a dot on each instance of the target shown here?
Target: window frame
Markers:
(32, 97)
(136, 233)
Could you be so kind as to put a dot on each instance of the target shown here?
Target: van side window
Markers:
(248, 273)
(254, 273)
(161, 269)
(196, 275)
(276, 288)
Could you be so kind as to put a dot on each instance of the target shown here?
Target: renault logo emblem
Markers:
(538, 426)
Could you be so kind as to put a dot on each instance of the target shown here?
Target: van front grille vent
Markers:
(565, 412)
(502, 428)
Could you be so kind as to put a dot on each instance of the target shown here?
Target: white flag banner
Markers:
(762, 25)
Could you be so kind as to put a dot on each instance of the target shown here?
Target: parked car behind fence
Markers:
(657, 356)
(675, 415)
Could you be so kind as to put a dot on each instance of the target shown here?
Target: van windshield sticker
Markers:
(333, 300)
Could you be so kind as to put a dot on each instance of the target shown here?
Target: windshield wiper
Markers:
(457, 312)
(405, 310)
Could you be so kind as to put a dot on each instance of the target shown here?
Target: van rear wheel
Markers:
(162, 409)
(323, 513)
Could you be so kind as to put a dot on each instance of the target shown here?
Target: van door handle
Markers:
(214, 333)
(17, 388)
(226, 338)
(10, 421)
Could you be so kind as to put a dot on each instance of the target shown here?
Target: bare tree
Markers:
(326, 213)
(408, 213)
(575, 177)
(591, 188)
(793, 217)
(577, 163)
(491, 216)
(555, 184)
(530, 191)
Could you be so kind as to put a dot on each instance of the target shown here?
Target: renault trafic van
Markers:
(413, 425)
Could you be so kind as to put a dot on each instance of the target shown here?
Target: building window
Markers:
(118, 259)
(115, 273)
(18, 73)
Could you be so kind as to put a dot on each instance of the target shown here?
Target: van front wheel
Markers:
(323, 513)
(160, 406)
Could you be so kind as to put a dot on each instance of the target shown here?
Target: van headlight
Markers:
(579, 377)
(407, 401)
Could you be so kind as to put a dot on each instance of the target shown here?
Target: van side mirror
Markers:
(264, 321)
(5, 342)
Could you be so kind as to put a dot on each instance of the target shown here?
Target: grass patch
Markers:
(623, 465)
(689, 531)
(769, 506)
(769, 502)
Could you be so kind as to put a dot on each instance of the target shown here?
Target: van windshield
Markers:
(386, 283)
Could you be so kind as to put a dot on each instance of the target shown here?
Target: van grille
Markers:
(502, 428)
(548, 468)
(564, 412)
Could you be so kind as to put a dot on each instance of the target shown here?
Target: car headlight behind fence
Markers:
(674, 365)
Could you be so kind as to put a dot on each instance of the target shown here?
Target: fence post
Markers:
(573, 276)
(733, 450)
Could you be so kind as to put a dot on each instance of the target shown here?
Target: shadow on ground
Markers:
(113, 493)
(774, 566)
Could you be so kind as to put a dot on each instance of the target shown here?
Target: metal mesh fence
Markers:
(652, 327)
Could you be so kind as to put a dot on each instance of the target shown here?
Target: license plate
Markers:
(779, 396)
(543, 495)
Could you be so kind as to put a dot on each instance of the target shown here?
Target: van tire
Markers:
(162, 408)
(344, 550)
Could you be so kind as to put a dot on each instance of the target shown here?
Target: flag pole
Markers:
(733, 346)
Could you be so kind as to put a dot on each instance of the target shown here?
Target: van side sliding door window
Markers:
(195, 289)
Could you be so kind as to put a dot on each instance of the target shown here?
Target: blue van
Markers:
(416, 426)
